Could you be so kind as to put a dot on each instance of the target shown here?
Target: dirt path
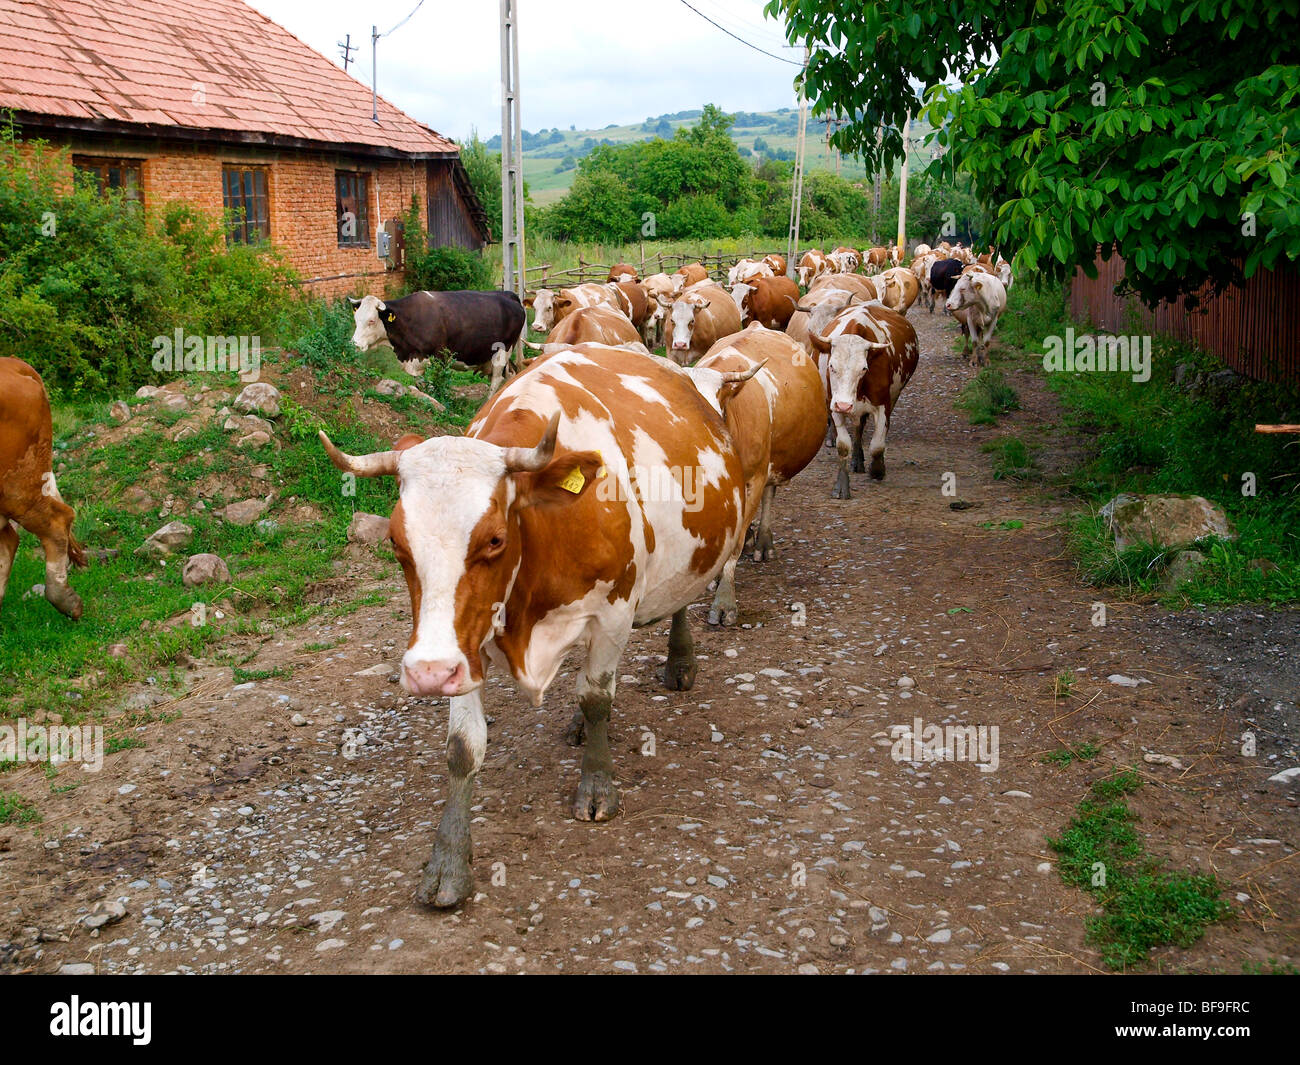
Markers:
(769, 831)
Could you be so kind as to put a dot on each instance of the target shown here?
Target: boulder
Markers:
(1164, 520)
(417, 394)
(147, 391)
(260, 397)
(205, 569)
(245, 512)
(247, 423)
(389, 387)
(120, 412)
(257, 438)
(174, 401)
(368, 528)
(1183, 567)
(171, 537)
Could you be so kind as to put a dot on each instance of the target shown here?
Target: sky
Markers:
(588, 63)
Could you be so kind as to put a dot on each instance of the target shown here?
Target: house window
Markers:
(243, 191)
(352, 208)
(105, 174)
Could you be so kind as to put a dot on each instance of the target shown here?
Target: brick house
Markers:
(210, 102)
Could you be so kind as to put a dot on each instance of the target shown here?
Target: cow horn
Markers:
(738, 377)
(527, 459)
(377, 464)
(535, 347)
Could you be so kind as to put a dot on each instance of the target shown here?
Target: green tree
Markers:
(597, 208)
(1166, 128)
(484, 170)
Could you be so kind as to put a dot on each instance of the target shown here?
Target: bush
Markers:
(446, 269)
(986, 396)
(328, 336)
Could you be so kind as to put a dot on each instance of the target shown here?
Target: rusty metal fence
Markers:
(1254, 328)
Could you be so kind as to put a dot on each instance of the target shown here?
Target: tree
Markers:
(597, 208)
(1163, 128)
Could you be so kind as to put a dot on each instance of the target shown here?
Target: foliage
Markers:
(987, 396)
(1164, 127)
(445, 269)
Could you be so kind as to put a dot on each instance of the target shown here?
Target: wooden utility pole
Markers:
(796, 183)
(512, 162)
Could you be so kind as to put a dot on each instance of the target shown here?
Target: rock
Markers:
(147, 392)
(136, 500)
(1162, 759)
(247, 423)
(1182, 568)
(327, 919)
(106, 912)
(244, 512)
(174, 401)
(906, 682)
(185, 432)
(944, 935)
(415, 393)
(120, 412)
(76, 968)
(205, 569)
(117, 650)
(808, 969)
(1286, 776)
(1262, 565)
(368, 528)
(171, 537)
(260, 397)
(36, 591)
(298, 721)
(1127, 682)
(330, 944)
(389, 387)
(1165, 520)
(252, 440)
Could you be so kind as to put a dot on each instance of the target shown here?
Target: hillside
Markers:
(551, 155)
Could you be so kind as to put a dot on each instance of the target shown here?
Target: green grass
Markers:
(1008, 525)
(1144, 905)
(1085, 752)
(1013, 459)
(15, 810)
(987, 396)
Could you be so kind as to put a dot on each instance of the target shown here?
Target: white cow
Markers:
(977, 300)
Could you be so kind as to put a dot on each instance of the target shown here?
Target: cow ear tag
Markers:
(574, 481)
(391, 316)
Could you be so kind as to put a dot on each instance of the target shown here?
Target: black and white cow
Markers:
(471, 325)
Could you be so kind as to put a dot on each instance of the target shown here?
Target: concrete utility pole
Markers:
(796, 184)
(512, 162)
(374, 73)
(902, 192)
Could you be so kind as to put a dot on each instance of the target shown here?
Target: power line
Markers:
(742, 40)
(404, 21)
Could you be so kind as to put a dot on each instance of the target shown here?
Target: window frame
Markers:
(101, 165)
(247, 223)
(360, 189)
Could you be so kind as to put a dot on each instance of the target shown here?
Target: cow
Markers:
(898, 289)
(846, 260)
(776, 262)
(921, 271)
(593, 325)
(921, 249)
(866, 287)
(633, 302)
(748, 269)
(661, 290)
(812, 265)
(868, 355)
(29, 494)
(984, 298)
(473, 326)
(770, 301)
(549, 308)
(978, 268)
(623, 272)
(697, 318)
(776, 422)
(694, 273)
(943, 275)
(1003, 269)
(814, 312)
(877, 257)
(598, 492)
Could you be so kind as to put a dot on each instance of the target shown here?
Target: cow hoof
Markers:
(67, 602)
(679, 675)
(877, 467)
(840, 490)
(573, 735)
(597, 798)
(859, 464)
(723, 615)
(764, 549)
(447, 881)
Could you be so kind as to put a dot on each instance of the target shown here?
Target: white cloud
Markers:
(583, 62)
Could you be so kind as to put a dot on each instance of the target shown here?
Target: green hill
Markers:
(551, 155)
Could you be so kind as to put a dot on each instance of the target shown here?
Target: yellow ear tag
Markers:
(574, 481)
(391, 316)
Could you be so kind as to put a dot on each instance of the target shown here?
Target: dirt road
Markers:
(766, 826)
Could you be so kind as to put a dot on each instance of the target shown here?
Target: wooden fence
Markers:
(717, 264)
(1254, 328)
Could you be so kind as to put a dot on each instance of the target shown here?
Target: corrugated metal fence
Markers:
(1255, 329)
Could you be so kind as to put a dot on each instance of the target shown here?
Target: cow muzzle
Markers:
(436, 678)
(841, 407)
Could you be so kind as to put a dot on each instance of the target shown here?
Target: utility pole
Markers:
(345, 50)
(902, 191)
(875, 190)
(374, 74)
(796, 183)
(512, 163)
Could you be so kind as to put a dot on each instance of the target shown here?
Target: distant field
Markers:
(546, 186)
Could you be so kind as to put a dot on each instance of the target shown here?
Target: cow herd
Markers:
(603, 488)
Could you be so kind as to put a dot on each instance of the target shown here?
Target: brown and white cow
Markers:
(866, 287)
(898, 289)
(921, 249)
(29, 494)
(623, 272)
(1003, 269)
(921, 271)
(694, 273)
(770, 301)
(812, 265)
(592, 325)
(549, 308)
(814, 313)
(595, 493)
(633, 302)
(776, 262)
(776, 421)
(661, 290)
(697, 318)
(868, 355)
(746, 270)
(846, 260)
(983, 299)
(876, 258)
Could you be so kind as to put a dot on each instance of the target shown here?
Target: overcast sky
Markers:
(588, 63)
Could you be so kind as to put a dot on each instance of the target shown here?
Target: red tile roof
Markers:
(189, 64)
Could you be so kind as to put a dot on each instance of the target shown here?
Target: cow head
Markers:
(966, 291)
(456, 532)
(542, 302)
(740, 293)
(850, 355)
(681, 321)
(371, 315)
(819, 317)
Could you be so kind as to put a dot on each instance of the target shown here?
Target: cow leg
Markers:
(679, 673)
(880, 431)
(724, 610)
(8, 547)
(764, 548)
(447, 878)
(51, 521)
(841, 489)
(597, 796)
(859, 461)
(830, 431)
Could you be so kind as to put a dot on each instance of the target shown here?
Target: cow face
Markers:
(965, 293)
(681, 322)
(456, 533)
(543, 304)
(847, 366)
(371, 314)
